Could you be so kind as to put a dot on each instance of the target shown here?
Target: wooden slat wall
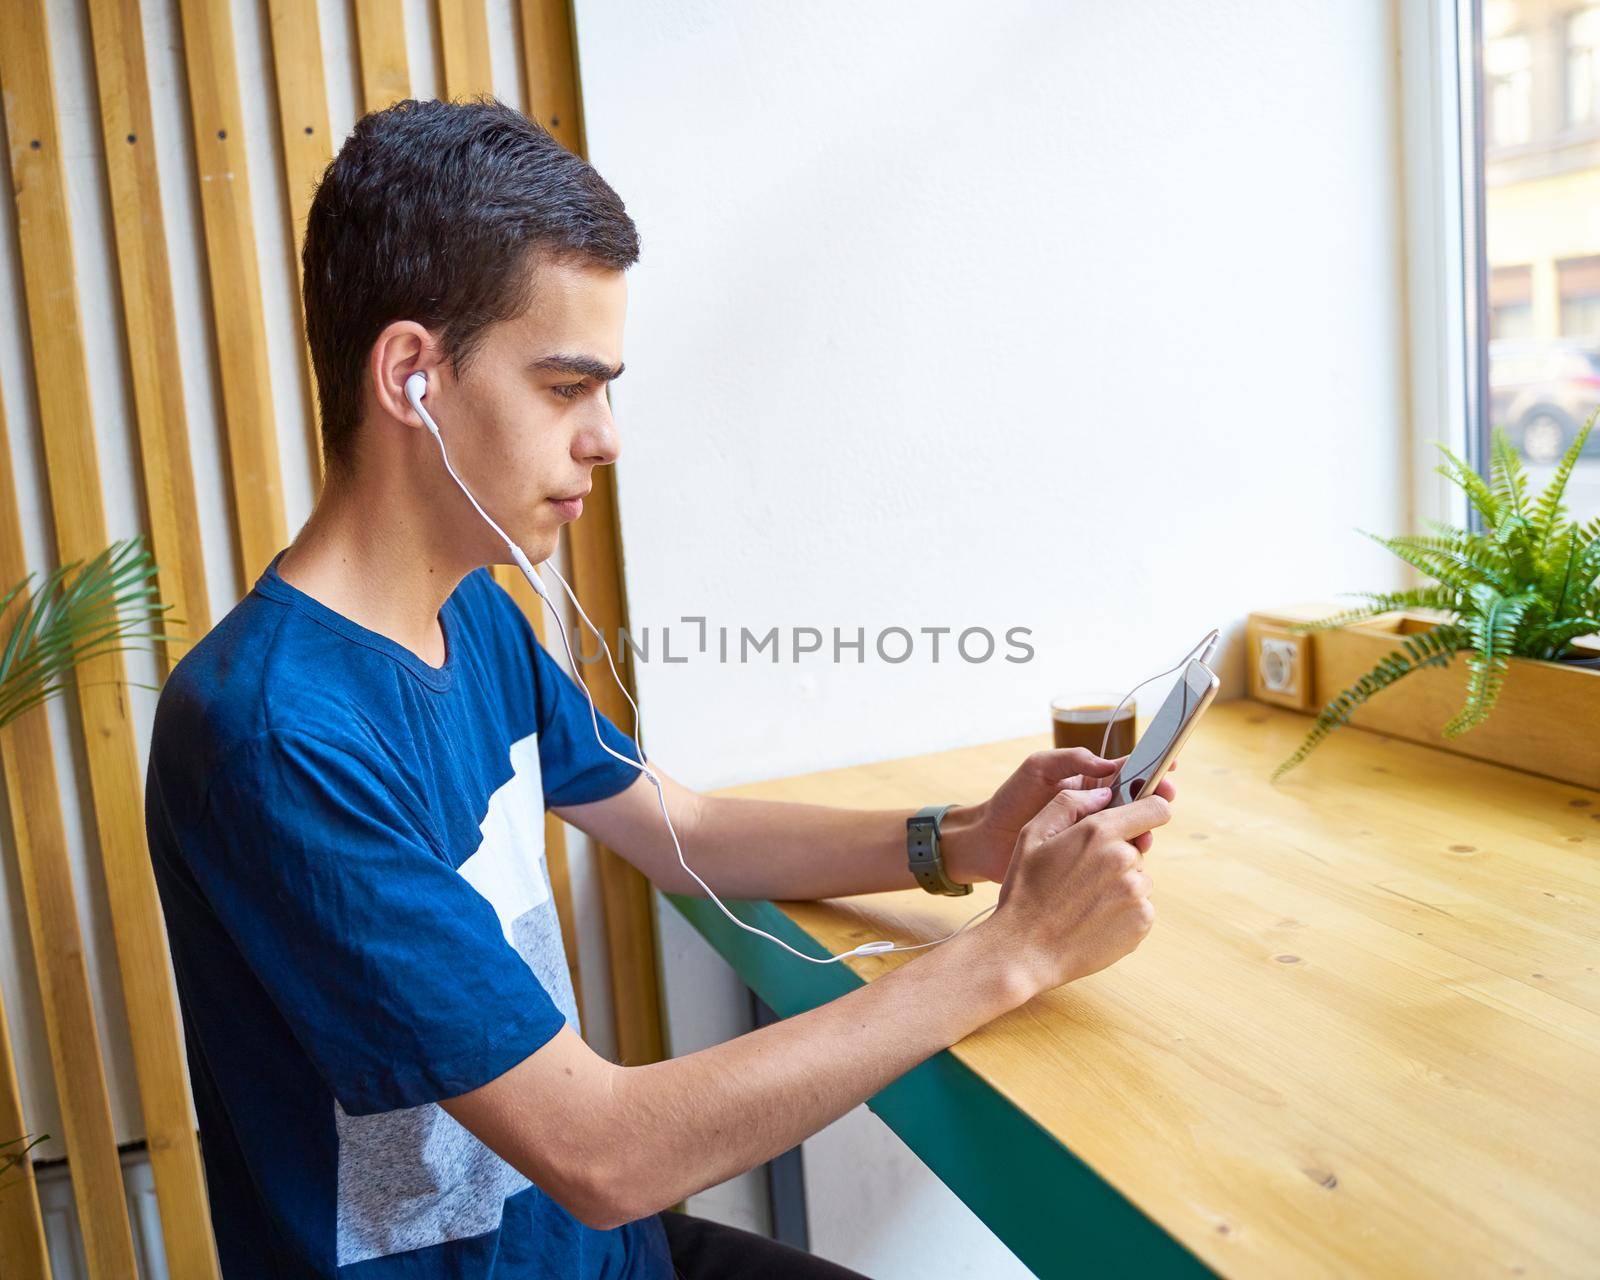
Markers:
(77, 525)
(381, 34)
(45, 872)
(464, 46)
(235, 285)
(554, 99)
(22, 1243)
(307, 147)
(148, 314)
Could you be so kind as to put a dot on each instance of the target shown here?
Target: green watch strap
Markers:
(923, 854)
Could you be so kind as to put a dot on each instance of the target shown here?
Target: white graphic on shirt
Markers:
(415, 1178)
(501, 869)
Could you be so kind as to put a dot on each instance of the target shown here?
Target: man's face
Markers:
(529, 421)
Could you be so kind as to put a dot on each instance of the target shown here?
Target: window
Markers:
(1583, 66)
(1578, 283)
(1511, 302)
(1508, 84)
(1534, 175)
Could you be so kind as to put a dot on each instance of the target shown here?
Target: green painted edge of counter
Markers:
(1018, 1178)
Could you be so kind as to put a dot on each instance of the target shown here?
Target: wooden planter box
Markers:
(1547, 719)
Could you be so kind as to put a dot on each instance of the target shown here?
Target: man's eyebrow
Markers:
(585, 366)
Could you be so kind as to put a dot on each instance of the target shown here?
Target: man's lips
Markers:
(570, 507)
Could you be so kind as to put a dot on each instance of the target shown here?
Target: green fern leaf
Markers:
(1478, 558)
(1379, 603)
(1451, 568)
(1551, 641)
(1493, 635)
(1586, 535)
(1549, 509)
(1471, 483)
(1516, 537)
(1507, 479)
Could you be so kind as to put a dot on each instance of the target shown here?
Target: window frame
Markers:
(1441, 101)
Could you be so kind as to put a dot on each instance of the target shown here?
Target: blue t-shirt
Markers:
(349, 847)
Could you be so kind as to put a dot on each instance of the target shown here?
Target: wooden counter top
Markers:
(1362, 1039)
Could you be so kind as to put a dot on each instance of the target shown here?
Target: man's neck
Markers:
(366, 554)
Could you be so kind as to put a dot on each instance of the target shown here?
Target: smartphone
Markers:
(1158, 747)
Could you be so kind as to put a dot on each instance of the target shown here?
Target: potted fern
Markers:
(1526, 586)
(82, 609)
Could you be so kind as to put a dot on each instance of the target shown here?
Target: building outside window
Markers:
(1583, 66)
(1578, 282)
(1511, 302)
(1507, 79)
(1540, 166)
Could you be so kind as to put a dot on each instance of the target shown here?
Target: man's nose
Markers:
(598, 442)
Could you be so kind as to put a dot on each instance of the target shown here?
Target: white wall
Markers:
(1082, 317)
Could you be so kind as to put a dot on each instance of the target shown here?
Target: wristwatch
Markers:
(923, 855)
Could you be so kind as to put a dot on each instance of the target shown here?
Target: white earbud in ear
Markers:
(416, 388)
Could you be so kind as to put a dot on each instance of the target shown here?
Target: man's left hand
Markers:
(978, 840)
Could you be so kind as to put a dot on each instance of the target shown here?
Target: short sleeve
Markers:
(574, 768)
(390, 969)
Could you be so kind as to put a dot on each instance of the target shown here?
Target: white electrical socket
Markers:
(1280, 662)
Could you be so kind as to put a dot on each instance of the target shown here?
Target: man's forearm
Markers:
(695, 1121)
(770, 849)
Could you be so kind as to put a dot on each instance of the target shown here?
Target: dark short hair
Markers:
(440, 212)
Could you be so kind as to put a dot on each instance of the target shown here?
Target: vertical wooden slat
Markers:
(256, 484)
(468, 72)
(151, 324)
(381, 45)
(464, 41)
(68, 444)
(551, 66)
(22, 1247)
(45, 873)
(307, 149)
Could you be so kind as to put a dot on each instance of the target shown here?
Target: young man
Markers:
(349, 773)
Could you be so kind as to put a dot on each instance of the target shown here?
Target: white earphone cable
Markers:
(1203, 650)
(415, 389)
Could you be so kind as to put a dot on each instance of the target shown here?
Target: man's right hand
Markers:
(1076, 897)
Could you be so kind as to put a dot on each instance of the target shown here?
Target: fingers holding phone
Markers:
(1076, 897)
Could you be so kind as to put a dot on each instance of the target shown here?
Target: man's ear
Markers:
(403, 347)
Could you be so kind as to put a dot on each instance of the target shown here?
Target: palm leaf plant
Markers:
(1526, 585)
(83, 609)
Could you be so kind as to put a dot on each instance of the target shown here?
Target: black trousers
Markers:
(704, 1250)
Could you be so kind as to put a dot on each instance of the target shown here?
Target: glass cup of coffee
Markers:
(1080, 721)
